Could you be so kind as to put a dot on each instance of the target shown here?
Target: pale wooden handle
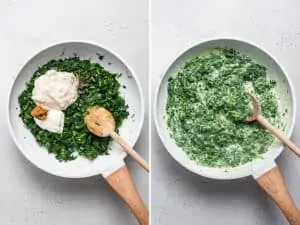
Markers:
(279, 134)
(122, 183)
(273, 183)
(130, 150)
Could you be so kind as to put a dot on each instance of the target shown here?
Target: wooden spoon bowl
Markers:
(256, 116)
(102, 123)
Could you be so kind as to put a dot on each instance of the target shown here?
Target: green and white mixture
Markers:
(208, 101)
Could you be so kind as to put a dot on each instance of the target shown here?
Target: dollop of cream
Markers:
(55, 90)
(54, 121)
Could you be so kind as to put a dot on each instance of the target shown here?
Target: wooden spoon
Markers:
(101, 123)
(256, 116)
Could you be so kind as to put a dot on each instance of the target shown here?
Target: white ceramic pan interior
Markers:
(80, 167)
(286, 99)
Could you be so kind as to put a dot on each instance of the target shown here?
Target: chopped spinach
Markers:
(208, 101)
(98, 87)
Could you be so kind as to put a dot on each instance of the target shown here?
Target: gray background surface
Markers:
(28, 196)
(178, 196)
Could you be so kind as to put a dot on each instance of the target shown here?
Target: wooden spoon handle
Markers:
(273, 183)
(279, 134)
(122, 183)
(130, 150)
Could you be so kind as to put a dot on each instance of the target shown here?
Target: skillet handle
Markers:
(122, 183)
(272, 182)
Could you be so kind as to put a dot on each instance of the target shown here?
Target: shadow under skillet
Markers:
(202, 197)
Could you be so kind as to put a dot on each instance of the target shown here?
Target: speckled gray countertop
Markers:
(28, 196)
(178, 196)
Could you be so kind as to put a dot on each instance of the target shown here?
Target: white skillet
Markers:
(111, 166)
(265, 170)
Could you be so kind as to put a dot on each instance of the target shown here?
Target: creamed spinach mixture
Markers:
(98, 87)
(208, 101)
